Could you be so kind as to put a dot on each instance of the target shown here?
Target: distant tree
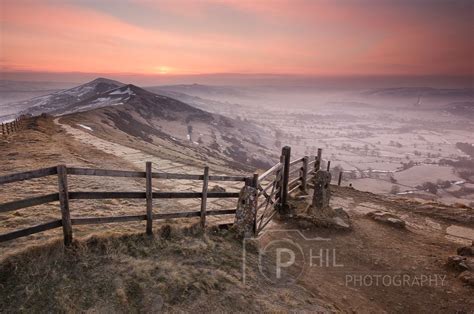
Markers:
(443, 184)
(395, 189)
(408, 165)
(429, 186)
(370, 172)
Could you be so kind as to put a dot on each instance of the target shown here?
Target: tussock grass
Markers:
(177, 269)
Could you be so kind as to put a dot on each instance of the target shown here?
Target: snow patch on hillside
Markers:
(85, 127)
(128, 91)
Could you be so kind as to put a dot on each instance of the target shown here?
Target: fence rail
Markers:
(64, 195)
(14, 126)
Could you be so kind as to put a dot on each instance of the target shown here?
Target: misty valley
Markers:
(415, 142)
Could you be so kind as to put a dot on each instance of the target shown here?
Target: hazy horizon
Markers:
(262, 79)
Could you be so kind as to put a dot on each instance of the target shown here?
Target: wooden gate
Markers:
(269, 195)
(278, 182)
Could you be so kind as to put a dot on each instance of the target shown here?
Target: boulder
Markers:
(326, 218)
(458, 263)
(466, 250)
(467, 277)
(388, 219)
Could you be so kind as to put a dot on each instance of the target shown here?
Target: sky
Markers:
(199, 37)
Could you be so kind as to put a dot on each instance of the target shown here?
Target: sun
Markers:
(162, 69)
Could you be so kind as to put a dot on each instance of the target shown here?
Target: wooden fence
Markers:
(273, 187)
(64, 195)
(14, 126)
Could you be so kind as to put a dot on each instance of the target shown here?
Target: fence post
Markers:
(64, 203)
(149, 199)
(286, 152)
(205, 183)
(340, 179)
(317, 163)
(255, 184)
(329, 165)
(304, 174)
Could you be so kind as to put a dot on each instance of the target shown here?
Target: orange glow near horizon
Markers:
(211, 36)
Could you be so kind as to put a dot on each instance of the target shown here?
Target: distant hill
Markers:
(14, 92)
(420, 91)
(55, 103)
(203, 90)
(127, 113)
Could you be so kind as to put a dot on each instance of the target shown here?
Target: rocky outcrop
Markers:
(466, 250)
(388, 219)
(322, 191)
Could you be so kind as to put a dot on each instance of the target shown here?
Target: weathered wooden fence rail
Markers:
(272, 188)
(64, 195)
(14, 126)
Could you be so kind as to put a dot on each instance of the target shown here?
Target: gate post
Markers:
(246, 210)
(304, 174)
(317, 163)
(286, 153)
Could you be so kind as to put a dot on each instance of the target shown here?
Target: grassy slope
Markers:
(178, 270)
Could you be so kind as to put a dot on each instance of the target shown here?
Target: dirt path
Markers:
(376, 268)
(139, 158)
(136, 157)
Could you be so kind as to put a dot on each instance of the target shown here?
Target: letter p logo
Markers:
(283, 262)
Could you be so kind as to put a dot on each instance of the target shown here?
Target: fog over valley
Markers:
(410, 141)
